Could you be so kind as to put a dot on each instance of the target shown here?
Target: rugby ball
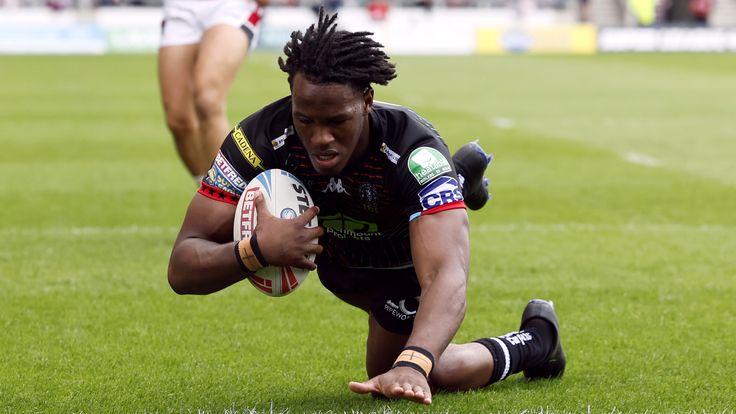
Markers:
(286, 197)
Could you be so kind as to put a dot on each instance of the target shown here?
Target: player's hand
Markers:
(399, 382)
(286, 242)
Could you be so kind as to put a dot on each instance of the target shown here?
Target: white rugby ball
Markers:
(286, 197)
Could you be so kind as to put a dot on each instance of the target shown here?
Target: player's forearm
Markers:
(441, 311)
(442, 270)
(199, 266)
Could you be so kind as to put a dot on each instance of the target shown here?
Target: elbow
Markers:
(179, 273)
(176, 284)
(176, 281)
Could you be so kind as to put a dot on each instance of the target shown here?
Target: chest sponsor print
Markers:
(343, 227)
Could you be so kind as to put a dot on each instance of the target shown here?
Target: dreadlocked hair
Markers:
(326, 55)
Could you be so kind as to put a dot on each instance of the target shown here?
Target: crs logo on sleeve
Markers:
(443, 190)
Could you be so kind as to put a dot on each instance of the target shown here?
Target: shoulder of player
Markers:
(269, 120)
(403, 131)
(403, 116)
(261, 133)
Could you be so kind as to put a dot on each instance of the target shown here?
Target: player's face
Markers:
(332, 123)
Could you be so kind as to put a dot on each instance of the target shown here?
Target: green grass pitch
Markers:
(614, 195)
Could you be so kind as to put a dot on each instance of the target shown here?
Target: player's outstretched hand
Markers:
(399, 382)
(286, 242)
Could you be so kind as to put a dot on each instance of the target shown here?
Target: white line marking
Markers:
(480, 228)
(88, 231)
(583, 227)
(502, 123)
(641, 159)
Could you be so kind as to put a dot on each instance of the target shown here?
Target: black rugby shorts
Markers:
(394, 293)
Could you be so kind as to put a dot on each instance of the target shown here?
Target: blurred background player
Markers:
(203, 44)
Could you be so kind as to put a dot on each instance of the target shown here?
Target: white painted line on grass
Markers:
(481, 228)
(584, 227)
(641, 159)
(502, 123)
(88, 231)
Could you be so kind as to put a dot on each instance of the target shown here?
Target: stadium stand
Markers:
(602, 13)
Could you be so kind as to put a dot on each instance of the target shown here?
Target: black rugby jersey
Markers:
(406, 172)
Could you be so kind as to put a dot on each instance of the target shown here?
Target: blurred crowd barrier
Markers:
(630, 13)
(459, 27)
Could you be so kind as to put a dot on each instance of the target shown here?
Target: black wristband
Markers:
(257, 250)
(412, 366)
(243, 267)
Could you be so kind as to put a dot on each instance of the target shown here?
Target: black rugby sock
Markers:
(516, 351)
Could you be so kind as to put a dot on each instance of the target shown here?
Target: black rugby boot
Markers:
(554, 365)
(470, 163)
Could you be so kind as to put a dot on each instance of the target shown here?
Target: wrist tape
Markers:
(257, 250)
(416, 358)
(249, 255)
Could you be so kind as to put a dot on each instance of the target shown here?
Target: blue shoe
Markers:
(554, 365)
(471, 163)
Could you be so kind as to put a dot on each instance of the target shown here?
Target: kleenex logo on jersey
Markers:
(441, 191)
(426, 163)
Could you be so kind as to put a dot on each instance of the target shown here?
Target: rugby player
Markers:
(203, 44)
(393, 234)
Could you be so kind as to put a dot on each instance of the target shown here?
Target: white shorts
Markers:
(185, 21)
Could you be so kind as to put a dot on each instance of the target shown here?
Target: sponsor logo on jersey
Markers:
(443, 190)
(225, 172)
(279, 141)
(390, 154)
(217, 180)
(335, 186)
(344, 227)
(245, 148)
(426, 163)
